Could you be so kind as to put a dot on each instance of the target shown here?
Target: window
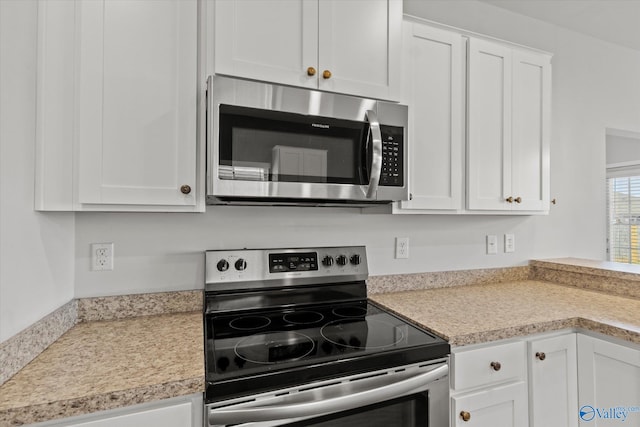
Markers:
(623, 203)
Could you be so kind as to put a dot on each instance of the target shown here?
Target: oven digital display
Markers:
(283, 263)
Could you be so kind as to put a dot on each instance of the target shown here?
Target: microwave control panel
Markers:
(392, 156)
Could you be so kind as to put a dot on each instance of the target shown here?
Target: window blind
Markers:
(623, 203)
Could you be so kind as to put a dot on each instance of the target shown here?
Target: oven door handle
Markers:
(375, 140)
(314, 407)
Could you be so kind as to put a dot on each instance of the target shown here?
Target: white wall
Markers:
(36, 250)
(595, 87)
(622, 149)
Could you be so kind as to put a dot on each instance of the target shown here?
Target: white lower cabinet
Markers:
(503, 406)
(557, 379)
(609, 383)
(553, 381)
(177, 412)
(489, 386)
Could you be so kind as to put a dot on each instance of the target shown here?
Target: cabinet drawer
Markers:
(490, 365)
(504, 406)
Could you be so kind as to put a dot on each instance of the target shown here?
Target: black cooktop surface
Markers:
(259, 349)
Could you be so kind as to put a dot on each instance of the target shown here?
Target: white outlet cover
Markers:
(509, 243)
(402, 247)
(492, 244)
(101, 256)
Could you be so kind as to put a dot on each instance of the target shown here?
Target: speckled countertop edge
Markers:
(625, 327)
(108, 364)
(48, 411)
(591, 267)
(25, 346)
(490, 312)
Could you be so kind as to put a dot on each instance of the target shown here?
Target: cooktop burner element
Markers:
(386, 334)
(303, 317)
(274, 347)
(249, 323)
(349, 311)
(269, 328)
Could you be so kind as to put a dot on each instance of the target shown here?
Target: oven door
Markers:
(416, 395)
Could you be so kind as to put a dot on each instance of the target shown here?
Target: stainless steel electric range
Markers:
(291, 339)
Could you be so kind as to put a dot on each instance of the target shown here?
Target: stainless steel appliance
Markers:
(291, 339)
(275, 144)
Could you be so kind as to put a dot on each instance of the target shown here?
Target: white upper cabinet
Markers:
(433, 75)
(530, 130)
(137, 102)
(508, 118)
(132, 122)
(270, 40)
(345, 46)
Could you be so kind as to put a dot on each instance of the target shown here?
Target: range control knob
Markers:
(223, 265)
(341, 260)
(355, 259)
(241, 264)
(327, 261)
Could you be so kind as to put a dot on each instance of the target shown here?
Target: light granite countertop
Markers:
(481, 313)
(108, 364)
(103, 364)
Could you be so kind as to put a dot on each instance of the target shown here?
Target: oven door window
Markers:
(408, 411)
(265, 145)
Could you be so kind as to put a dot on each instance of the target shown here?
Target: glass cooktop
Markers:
(321, 338)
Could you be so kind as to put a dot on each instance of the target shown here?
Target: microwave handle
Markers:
(374, 139)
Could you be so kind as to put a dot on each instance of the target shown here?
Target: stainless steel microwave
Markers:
(276, 144)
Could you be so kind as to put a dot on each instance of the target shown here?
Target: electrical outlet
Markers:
(101, 256)
(509, 243)
(492, 244)
(402, 247)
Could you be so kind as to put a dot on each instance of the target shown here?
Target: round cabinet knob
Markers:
(223, 265)
(509, 199)
(496, 366)
(540, 355)
(185, 189)
(326, 74)
(355, 259)
(465, 416)
(311, 71)
(327, 261)
(241, 264)
(518, 200)
(553, 201)
(341, 260)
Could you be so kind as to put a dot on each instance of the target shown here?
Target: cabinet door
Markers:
(530, 131)
(496, 407)
(270, 40)
(171, 416)
(137, 102)
(609, 383)
(360, 45)
(553, 382)
(489, 126)
(432, 87)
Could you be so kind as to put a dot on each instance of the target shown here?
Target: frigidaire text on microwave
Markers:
(276, 144)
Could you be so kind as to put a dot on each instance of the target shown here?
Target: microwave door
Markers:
(374, 152)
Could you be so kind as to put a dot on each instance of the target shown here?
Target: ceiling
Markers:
(616, 21)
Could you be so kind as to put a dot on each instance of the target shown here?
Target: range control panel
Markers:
(307, 264)
(283, 262)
